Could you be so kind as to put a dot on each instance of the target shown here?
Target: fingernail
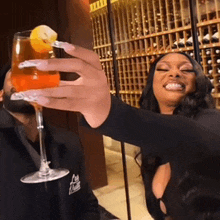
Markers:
(31, 63)
(22, 96)
(68, 46)
(17, 96)
(31, 98)
(63, 45)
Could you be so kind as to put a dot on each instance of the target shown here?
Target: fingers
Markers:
(88, 56)
(62, 104)
(61, 92)
(81, 53)
(62, 65)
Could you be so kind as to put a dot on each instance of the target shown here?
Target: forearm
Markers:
(153, 132)
(135, 126)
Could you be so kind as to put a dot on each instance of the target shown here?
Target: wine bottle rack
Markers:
(145, 29)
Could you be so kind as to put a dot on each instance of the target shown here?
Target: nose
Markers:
(175, 74)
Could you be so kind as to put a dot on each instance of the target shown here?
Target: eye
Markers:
(188, 70)
(162, 70)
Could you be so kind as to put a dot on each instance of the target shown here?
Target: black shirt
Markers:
(68, 198)
(209, 118)
(176, 139)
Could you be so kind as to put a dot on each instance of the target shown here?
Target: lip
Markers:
(174, 86)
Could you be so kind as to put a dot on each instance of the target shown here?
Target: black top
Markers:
(209, 118)
(175, 139)
(68, 198)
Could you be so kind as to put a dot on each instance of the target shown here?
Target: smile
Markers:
(174, 87)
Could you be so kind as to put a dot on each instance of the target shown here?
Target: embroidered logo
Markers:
(74, 184)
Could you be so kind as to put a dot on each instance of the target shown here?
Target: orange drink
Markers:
(31, 45)
(30, 78)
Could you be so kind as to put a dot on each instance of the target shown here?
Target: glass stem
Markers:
(44, 167)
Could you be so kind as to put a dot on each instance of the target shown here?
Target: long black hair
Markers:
(199, 189)
(192, 103)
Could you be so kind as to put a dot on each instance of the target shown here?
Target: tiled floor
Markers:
(112, 196)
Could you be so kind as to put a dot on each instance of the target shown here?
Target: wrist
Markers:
(95, 116)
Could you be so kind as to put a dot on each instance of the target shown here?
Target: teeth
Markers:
(173, 86)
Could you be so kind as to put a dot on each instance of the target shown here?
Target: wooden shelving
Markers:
(145, 29)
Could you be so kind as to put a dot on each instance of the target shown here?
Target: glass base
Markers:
(37, 177)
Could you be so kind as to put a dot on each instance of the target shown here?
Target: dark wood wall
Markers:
(23, 15)
(70, 19)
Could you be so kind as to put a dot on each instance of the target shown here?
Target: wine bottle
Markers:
(217, 51)
(206, 39)
(109, 53)
(209, 60)
(215, 37)
(209, 70)
(208, 52)
(154, 45)
(175, 45)
(189, 41)
(191, 54)
(181, 42)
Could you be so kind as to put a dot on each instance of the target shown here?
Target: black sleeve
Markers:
(210, 118)
(155, 133)
(139, 127)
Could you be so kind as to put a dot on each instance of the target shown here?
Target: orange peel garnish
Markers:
(41, 38)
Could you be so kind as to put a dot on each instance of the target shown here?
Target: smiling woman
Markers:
(174, 78)
(176, 85)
